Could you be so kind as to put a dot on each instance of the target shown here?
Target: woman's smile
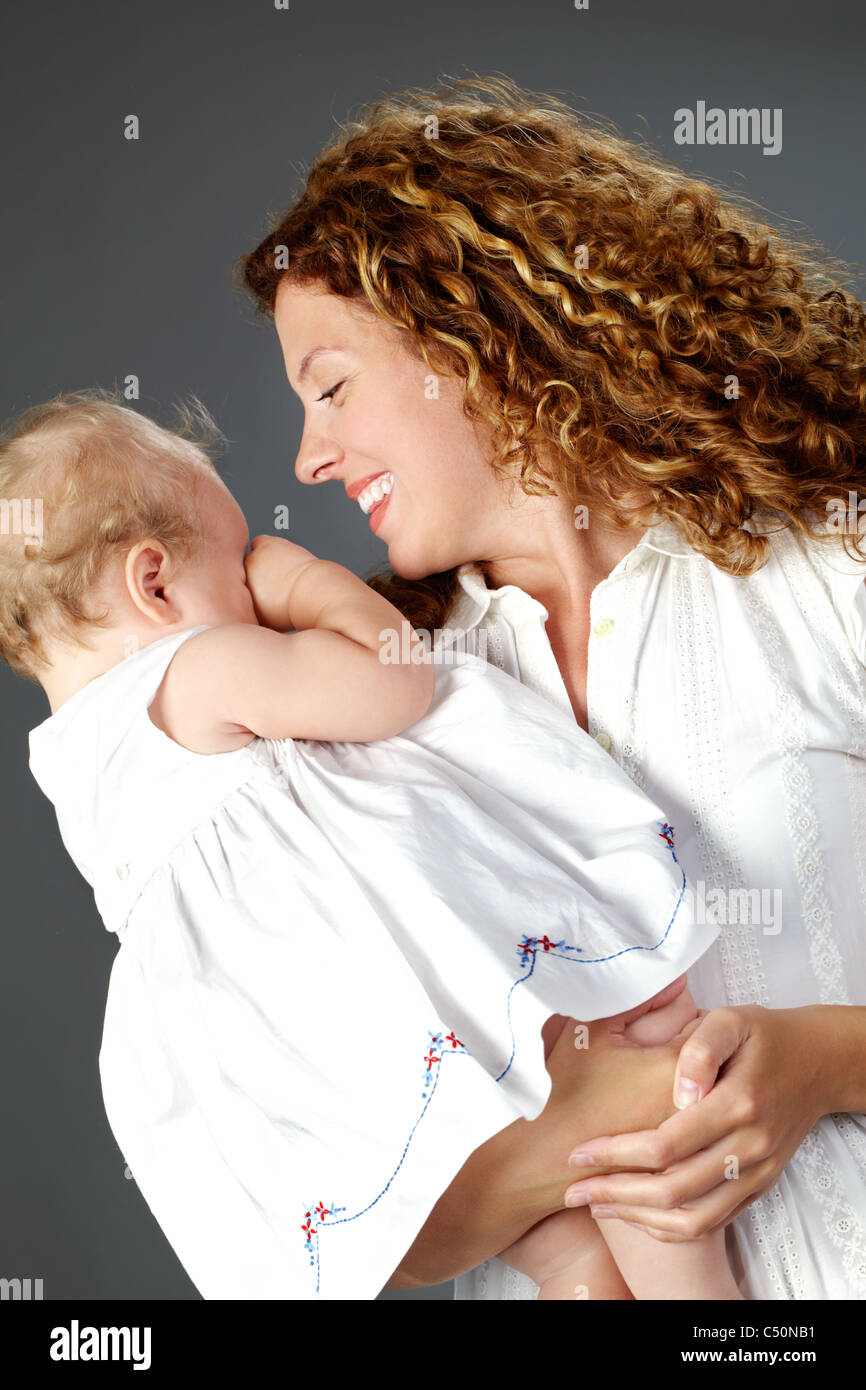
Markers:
(372, 495)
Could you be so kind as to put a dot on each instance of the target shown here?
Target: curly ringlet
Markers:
(107, 478)
(605, 384)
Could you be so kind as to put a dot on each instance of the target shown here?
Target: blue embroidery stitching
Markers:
(437, 1052)
(307, 1227)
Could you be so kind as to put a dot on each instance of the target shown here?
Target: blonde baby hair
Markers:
(83, 478)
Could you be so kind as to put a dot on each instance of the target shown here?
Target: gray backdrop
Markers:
(116, 259)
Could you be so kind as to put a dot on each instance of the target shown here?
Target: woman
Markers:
(617, 423)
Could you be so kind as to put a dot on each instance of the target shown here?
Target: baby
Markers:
(311, 853)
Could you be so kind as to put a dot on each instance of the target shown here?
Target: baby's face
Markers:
(212, 587)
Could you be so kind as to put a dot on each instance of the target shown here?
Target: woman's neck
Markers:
(563, 566)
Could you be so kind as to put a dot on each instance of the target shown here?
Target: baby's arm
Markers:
(326, 681)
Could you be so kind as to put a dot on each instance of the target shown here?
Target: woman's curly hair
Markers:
(639, 343)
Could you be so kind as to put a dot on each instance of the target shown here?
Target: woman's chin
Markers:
(411, 563)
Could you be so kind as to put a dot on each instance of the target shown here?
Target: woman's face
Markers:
(373, 411)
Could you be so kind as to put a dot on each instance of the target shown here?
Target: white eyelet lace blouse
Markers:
(739, 706)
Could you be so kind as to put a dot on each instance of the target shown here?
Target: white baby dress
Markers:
(336, 958)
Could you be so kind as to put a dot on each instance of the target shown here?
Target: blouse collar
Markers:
(472, 603)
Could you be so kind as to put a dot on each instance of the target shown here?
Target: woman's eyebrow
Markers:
(310, 356)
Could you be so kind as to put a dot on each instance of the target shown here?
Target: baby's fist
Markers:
(271, 567)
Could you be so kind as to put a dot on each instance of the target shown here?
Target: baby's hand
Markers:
(272, 566)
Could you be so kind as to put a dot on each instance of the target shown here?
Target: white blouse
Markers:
(739, 706)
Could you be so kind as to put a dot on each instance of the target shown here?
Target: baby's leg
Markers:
(656, 1269)
(570, 1259)
(567, 1256)
(665, 1270)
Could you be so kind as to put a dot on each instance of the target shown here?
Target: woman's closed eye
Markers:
(329, 395)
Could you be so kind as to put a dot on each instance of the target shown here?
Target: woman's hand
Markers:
(272, 566)
(710, 1160)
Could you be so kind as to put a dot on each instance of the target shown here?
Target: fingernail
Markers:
(575, 1197)
(579, 1160)
(602, 1212)
(685, 1093)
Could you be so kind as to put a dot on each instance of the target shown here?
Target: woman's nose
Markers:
(316, 461)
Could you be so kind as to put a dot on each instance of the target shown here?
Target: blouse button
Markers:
(122, 871)
(603, 740)
(604, 628)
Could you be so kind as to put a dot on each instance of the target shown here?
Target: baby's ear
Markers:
(147, 570)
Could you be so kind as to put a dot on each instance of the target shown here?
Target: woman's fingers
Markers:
(683, 1134)
(700, 1216)
(719, 1034)
(679, 1185)
(705, 1044)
